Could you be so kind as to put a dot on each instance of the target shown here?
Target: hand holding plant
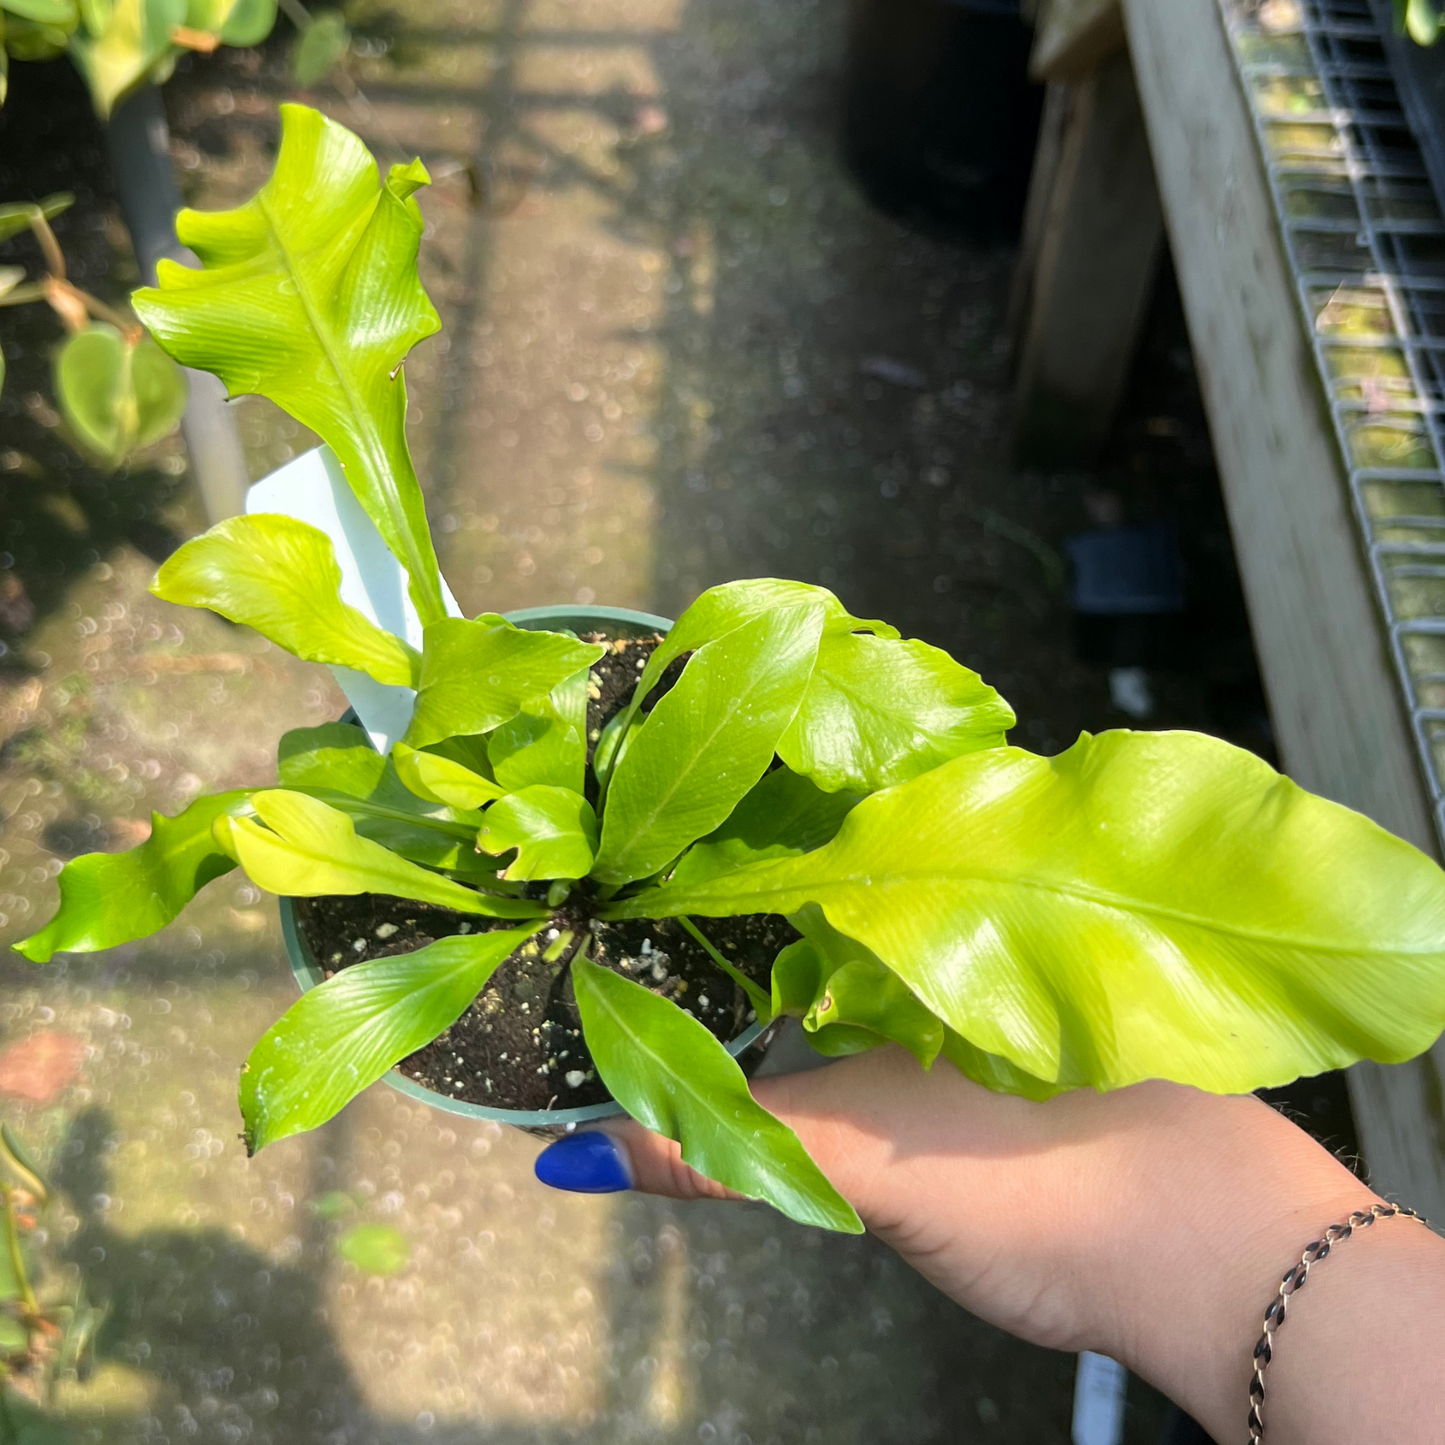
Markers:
(1143, 906)
(1146, 1224)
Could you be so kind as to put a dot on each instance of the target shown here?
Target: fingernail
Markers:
(593, 1163)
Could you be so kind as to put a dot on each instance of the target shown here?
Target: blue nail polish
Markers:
(590, 1163)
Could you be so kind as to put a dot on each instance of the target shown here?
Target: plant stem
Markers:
(118, 319)
(23, 295)
(17, 1260)
(558, 947)
(762, 1004)
(202, 40)
(296, 13)
(54, 256)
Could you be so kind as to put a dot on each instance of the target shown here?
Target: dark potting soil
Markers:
(519, 1044)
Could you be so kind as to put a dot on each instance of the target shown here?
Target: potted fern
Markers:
(622, 847)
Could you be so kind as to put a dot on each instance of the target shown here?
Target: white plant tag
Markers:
(1099, 1400)
(313, 489)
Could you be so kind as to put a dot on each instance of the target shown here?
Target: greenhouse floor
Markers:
(677, 348)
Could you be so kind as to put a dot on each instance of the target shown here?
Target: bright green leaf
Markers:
(879, 711)
(380, 1249)
(866, 995)
(334, 1203)
(14, 1337)
(707, 742)
(117, 395)
(435, 839)
(281, 577)
(25, 40)
(477, 675)
(1421, 20)
(337, 765)
(15, 216)
(319, 47)
(723, 609)
(1144, 905)
(43, 12)
(344, 1034)
(441, 780)
(782, 816)
(309, 295)
(308, 849)
(547, 743)
(799, 975)
(335, 755)
(248, 22)
(134, 46)
(605, 756)
(431, 842)
(857, 993)
(554, 831)
(111, 898)
(994, 1072)
(670, 1073)
(95, 15)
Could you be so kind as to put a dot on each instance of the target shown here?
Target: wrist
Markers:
(1246, 1192)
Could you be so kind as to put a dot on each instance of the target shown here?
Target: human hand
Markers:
(1151, 1224)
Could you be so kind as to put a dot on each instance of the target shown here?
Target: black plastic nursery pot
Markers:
(615, 622)
(939, 115)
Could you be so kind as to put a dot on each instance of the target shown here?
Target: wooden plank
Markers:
(1400, 1113)
(1058, 101)
(1333, 697)
(1096, 264)
(1075, 37)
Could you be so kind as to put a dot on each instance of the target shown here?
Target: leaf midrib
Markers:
(359, 412)
(1084, 894)
(403, 867)
(684, 1083)
(410, 996)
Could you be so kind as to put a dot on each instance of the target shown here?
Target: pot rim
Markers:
(308, 972)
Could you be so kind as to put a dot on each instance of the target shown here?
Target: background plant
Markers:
(119, 45)
(117, 390)
(1142, 905)
(47, 1330)
(1419, 19)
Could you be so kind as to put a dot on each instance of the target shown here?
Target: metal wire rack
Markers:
(1365, 235)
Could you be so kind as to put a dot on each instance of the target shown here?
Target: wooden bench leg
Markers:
(1096, 261)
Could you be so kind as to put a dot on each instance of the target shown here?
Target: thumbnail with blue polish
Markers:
(584, 1164)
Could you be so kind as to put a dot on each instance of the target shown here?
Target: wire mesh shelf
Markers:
(1365, 235)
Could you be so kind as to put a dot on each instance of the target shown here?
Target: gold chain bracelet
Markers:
(1292, 1283)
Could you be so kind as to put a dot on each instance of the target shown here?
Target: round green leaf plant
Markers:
(118, 391)
(1141, 906)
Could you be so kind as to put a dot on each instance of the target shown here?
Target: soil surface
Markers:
(519, 1044)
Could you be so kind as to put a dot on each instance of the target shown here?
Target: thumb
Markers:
(623, 1155)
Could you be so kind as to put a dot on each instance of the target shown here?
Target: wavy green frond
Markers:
(309, 295)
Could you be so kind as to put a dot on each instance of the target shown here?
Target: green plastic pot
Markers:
(619, 622)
